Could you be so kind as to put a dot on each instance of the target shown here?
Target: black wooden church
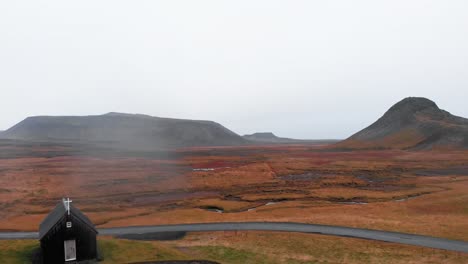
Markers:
(67, 235)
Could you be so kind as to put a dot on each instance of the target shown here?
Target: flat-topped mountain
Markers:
(415, 123)
(132, 131)
(268, 137)
(264, 137)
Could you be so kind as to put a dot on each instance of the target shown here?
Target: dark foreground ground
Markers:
(179, 262)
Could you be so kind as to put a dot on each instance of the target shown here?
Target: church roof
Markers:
(59, 212)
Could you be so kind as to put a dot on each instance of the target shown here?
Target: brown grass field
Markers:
(423, 192)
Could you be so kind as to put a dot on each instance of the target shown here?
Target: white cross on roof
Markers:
(66, 203)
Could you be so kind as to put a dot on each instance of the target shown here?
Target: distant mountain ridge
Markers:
(134, 131)
(413, 123)
(269, 137)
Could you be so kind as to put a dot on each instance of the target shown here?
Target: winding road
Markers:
(394, 237)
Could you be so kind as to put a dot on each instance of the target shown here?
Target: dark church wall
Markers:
(52, 244)
(86, 247)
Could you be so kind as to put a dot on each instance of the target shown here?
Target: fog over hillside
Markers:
(125, 130)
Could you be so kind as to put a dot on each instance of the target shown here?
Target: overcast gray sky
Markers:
(304, 69)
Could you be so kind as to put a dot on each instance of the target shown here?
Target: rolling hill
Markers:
(131, 131)
(413, 123)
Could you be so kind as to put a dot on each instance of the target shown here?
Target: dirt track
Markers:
(394, 237)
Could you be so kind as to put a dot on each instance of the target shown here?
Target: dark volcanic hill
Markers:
(416, 123)
(124, 130)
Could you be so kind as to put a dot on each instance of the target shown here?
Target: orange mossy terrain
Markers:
(422, 192)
